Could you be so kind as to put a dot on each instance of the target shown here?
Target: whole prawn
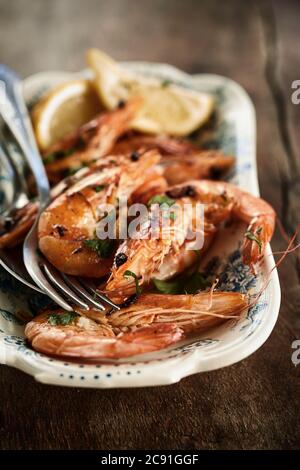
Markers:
(181, 160)
(14, 228)
(164, 257)
(211, 164)
(86, 338)
(89, 143)
(66, 229)
(152, 323)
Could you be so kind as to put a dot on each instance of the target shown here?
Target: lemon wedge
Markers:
(165, 108)
(63, 110)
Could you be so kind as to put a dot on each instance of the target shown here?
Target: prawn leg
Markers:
(190, 312)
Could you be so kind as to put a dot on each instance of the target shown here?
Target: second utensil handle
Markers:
(14, 112)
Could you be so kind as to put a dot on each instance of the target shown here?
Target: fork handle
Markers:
(14, 112)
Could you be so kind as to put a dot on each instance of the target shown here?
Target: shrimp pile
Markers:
(93, 168)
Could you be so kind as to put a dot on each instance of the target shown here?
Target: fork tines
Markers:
(79, 291)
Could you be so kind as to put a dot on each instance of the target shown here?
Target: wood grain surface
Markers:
(253, 404)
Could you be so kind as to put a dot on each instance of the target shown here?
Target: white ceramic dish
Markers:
(234, 132)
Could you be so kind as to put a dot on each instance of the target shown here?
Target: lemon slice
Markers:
(166, 108)
(64, 110)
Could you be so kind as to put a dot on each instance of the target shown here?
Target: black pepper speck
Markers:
(135, 156)
(120, 259)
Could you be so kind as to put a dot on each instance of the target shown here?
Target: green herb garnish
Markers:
(161, 199)
(73, 170)
(165, 83)
(167, 287)
(164, 203)
(250, 235)
(169, 215)
(99, 188)
(69, 152)
(189, 285)
(52, 157)
(62, 318)
(138, 289)
(49, 159)
(197, 281)
(103, 248)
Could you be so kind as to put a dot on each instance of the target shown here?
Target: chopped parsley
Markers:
(165, 83)
(71, 171)
(99, 188)
(165, 202)
(52, 157)
(137, 286)
(167, 287)
(103, 248)
(168, 214)
(197, 281)
(250, 235)
(189, 285)
(161, 199)
(62, 318)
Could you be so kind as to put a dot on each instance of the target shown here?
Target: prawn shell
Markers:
(192, 313)
(65, 249)
(97, 341)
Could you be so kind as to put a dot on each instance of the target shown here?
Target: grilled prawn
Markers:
(72, 335)
(67, 227)
(89, 143)
(181, 160)
(152, 323)
(166, 255)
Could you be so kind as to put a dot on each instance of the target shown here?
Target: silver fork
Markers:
(50, 280)
(11, 260)
(19, 197)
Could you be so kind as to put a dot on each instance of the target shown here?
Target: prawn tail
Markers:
(257, 236)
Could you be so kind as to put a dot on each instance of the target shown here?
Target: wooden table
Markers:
(253, 404)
